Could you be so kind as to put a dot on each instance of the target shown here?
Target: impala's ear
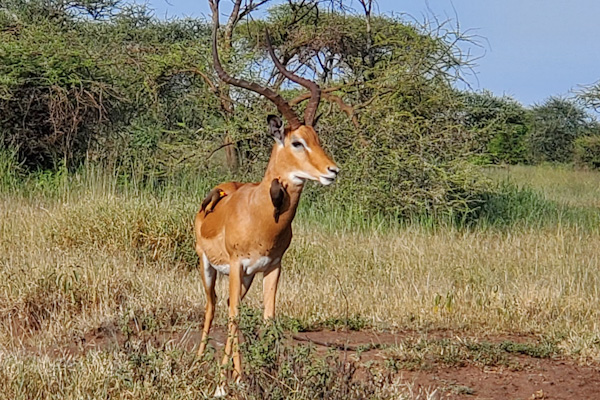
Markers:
(276, 128)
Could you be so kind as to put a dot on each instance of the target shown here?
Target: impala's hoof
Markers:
(220, 392)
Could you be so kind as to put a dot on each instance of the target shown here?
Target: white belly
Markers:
(251, 266)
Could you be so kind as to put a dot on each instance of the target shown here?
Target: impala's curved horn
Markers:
(284, 108)
(315, 90)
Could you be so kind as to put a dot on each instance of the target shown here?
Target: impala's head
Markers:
(298, 154)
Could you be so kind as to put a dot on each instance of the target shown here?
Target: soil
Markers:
(534, 379)
(537, 378)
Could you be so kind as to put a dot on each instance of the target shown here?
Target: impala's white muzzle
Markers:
(329, 178)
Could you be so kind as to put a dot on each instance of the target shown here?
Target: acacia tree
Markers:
(410, 151)
(555, 125)
(590, 96)
(356, 57)
(501, 125)
(395, 81)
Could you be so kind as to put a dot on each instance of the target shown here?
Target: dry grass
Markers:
(69, 266)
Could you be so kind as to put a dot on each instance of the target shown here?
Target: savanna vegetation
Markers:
(113, 127)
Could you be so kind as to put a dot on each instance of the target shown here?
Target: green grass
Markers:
(564, 185)
(542, 197)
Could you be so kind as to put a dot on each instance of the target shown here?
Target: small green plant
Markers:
(352, 323)
(275, 369)
(544, 349)
(10, 169)
(423, 354)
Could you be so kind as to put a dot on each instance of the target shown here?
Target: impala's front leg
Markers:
(270, 281)
(232, 349)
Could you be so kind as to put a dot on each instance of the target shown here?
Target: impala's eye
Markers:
(297, 145)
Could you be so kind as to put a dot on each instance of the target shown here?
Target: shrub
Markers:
(108, 90)
(587, 152)
(500, 124)
(275, 370)
(411, 158)
(556, 125)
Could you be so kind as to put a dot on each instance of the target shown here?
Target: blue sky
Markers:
(532, 49)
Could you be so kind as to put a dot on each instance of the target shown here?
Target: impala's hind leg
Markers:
(232, 350)
(246, 283)
(209, 278)
(270, 281)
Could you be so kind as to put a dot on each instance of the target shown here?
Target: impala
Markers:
(245, 228)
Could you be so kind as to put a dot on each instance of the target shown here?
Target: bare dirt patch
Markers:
(525, 377)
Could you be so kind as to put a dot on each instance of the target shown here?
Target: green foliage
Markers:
(73, 89)
(425, 354)
(508, 205)
(587, 152)
(411, 154)
(352, 323)
(138, 96)
(412, 157)
(345, 46)
(555, 126)
(500, 124)
(544, 349)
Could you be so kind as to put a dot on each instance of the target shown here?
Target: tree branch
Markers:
(327, 95)
(305, 96)
(349, 110)
(231, 22)
(226, 102)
